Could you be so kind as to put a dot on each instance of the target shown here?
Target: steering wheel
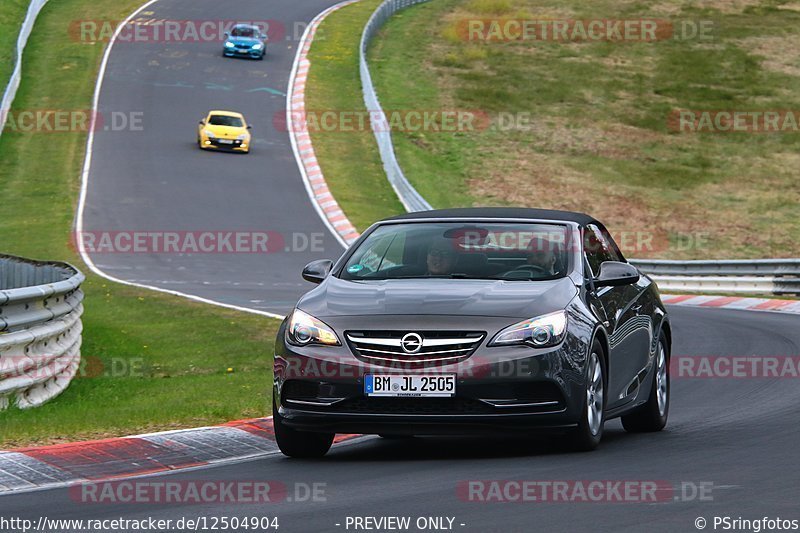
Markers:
(533, 269)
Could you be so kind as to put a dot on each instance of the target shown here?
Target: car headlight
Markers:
(540, 332)
(241, 137)
(229, 44)
(209, 134)
(258, 46)
(304, 329)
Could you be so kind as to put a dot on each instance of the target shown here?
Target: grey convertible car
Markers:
(473, 320)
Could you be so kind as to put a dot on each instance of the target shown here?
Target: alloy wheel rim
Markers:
(661, 380)
(594, 395)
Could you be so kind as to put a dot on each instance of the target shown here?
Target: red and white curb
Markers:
(734, 302)
(60, 465)
(324, 202)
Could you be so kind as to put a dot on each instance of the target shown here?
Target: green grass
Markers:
(12, 13)
(597, 138)
(349, 159)
(166, 360)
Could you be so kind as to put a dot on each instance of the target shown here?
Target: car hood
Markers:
(226, 132)
(457, 297)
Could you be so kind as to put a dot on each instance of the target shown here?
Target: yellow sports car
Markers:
(224, 130)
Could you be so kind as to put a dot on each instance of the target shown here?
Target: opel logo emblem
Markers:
(411, 342)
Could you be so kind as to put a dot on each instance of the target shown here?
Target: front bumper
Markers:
(243, 52)
(505, 389)
(215, 144)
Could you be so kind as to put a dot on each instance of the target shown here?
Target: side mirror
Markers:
(615, 273)
(316, 271)
(202, 122)
(249, 127)
(227, 34)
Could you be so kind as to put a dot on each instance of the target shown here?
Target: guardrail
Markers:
(773, 276)
(16, 76)
(408, 195)
(40, 329)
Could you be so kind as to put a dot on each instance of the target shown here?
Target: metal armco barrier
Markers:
(773, 276)
(408, 195)
(13, 84)
(40, 329)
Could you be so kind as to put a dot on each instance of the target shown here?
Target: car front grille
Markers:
(235, 144)
(413, 348)
(243, 47)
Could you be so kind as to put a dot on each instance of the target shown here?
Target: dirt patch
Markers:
(779, 53)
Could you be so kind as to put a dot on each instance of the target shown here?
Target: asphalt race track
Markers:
(156, 179)
(739, 436)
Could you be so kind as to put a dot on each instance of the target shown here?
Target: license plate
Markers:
(225, 141)
(427, 386)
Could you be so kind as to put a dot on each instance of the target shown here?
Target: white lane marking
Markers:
(87, 165)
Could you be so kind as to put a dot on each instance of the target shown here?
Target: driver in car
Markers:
(543, 255)
(441, 258)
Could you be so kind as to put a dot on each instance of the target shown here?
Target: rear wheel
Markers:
(589, 432)
(652, 416)
(300, 444)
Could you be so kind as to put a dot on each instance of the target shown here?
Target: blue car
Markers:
(245, 40)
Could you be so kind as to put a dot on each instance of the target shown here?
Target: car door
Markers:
(623, 312)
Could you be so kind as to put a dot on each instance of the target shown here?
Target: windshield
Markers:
(506, 251)
(245, 31)
(223, 120)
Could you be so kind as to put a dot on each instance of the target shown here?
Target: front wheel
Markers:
(300, 444)
(652, 416)
(589, 432)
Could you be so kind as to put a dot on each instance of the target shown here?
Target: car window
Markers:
(508, 251)
(598, 248)
(224, 120)
(244, 31)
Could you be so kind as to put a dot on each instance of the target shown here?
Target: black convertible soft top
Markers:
(500, 213)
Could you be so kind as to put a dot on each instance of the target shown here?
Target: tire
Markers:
(300, 444)
(652, 416)
(589, 433)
